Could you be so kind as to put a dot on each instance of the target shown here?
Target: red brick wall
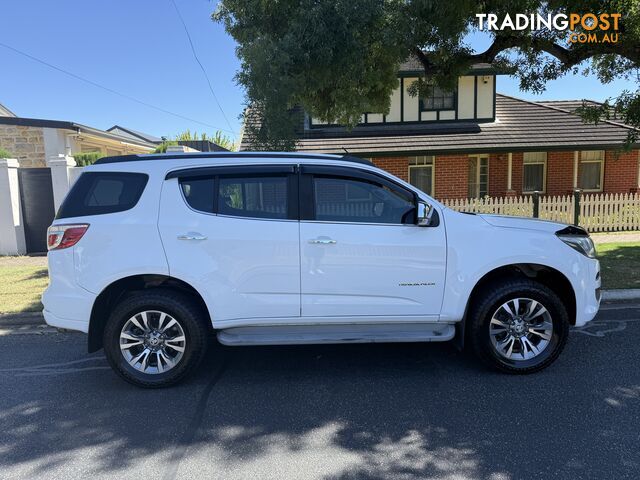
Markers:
(620, 172)
(451, 173)
(398, 166)
(559, 173)
(452, 176)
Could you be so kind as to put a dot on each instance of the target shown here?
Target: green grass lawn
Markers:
(22, 281)
(620, 264)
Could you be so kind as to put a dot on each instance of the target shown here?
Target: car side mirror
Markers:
(424, 214)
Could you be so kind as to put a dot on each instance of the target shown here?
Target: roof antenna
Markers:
(346, 151)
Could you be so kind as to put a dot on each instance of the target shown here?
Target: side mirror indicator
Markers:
(424, 214)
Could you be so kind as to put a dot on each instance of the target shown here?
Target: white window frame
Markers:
(424, 159)
(601, 161)
(535, 161)
(479, 158)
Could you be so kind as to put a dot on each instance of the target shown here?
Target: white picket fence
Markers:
(598, 212)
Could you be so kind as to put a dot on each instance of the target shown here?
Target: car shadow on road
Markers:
(350, 411)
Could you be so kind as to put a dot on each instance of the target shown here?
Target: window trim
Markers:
(479, 156)
(454, 107)
(602, 166)
(307, 191)
(432, 166)
(544, 173)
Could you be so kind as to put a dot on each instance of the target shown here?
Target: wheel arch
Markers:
(548, 276)
(118, 289)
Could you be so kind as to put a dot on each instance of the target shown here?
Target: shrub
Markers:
(87, 158)
(5, 154)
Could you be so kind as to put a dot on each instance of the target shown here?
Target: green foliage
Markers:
(162, 148)
(87, 158)
(338, 59)
(5, 153)
(218, 138)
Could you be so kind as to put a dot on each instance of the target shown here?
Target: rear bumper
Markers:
(68, 308)
(69, 324)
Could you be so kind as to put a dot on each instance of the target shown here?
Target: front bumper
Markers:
(588, 304)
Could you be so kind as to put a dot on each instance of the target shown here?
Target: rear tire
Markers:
(517, 326)
(155, 338)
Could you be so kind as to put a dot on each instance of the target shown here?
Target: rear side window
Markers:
(98, 193)
(258, 197)
(199, 192)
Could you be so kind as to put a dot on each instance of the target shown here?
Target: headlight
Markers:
(582, 244)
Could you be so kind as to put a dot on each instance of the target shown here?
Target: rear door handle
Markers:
(322, 241)
(191, 236)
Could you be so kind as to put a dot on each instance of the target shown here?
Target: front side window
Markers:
(437, 99)
(339, 199)
(534, 172)
(591, 170)
(421, 173)
(258, 197)
(478, 176)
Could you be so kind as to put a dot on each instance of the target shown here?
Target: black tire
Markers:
(489, 299)
(183, 309)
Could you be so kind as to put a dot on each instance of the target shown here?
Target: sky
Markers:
(139, 49)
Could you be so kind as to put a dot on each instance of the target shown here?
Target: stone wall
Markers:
(24, 143)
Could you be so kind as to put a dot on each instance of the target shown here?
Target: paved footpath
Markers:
(398, 411)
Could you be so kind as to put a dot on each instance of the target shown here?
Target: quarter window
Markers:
(534, 172)
(258, 197)
(437, 99)
(338, 199)
(421, 173)
(591, 170)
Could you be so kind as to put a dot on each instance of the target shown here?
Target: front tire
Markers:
(155, 338)
(518, 326)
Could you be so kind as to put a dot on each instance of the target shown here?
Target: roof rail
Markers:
(165, 156)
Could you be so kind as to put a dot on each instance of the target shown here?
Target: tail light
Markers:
(64, 236)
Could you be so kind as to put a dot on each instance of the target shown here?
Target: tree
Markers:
(337, 59)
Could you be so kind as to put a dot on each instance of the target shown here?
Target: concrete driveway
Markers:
(396, 411)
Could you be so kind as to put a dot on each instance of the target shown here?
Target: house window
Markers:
(534, 172)
(437, 99)
(421, 173)
(478, 176)
(591, 170)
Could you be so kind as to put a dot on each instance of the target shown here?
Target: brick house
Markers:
(474, 142)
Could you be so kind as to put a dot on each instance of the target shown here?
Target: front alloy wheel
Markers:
(517, 325)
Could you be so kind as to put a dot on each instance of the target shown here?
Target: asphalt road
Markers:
(346, 412)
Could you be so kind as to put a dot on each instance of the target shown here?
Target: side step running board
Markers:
(318, 334)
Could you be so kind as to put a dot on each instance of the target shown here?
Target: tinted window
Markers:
(199, 193)
(356, 200)
(97, 193)
(259, 196)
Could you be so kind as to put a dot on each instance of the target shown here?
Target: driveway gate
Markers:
(36, 199)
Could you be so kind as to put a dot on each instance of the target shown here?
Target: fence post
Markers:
(12, 240)
(536, 204)
(59, 165)
(576, 206)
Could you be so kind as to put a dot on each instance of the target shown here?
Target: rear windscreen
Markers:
(97, 193)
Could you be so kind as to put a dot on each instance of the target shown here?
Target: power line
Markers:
(195, 55)
(110, 90)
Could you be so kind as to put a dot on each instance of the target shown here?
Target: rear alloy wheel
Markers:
(152, 342)
(518, 326)
(154, 338)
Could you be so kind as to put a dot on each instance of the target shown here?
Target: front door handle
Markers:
(191, 236)
(322, 241)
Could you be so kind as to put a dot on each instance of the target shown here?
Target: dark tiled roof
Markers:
(134, 134)
(520, 125)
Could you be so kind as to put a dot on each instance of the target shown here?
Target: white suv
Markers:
(151, 254)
